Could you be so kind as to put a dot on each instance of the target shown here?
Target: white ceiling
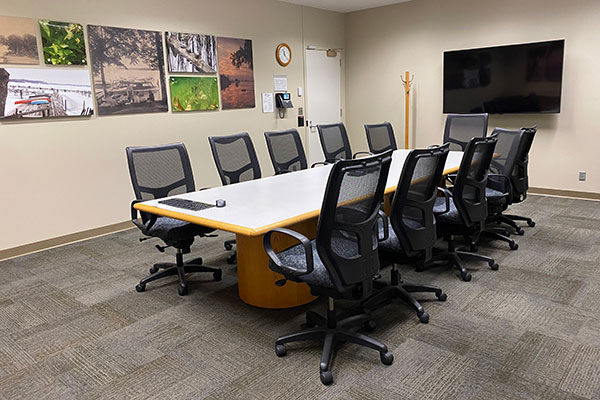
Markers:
(344, 5)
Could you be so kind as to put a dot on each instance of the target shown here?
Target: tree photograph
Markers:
(18, 43)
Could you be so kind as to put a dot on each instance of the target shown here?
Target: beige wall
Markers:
(382, 43)
(61, 177)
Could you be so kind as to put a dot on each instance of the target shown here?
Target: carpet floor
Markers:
(72, 326)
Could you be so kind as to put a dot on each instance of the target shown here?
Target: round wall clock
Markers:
(283, 54)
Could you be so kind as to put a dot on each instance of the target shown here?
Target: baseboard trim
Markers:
(62, 240)
(565, 193)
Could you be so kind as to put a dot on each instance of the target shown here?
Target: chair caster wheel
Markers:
(182, 290)
(218, 275)
(423, 317)
(140, 287)
(520, 232)
(280, 350)
(232, 260)
(228, 246)
(441, 296)
(387, 358)
(466, 277)
(153, 270)
(531, 223)
(513, 246)
(310, 323)
(370, 326)
(494, 266)
(326, 377)
(473, 248)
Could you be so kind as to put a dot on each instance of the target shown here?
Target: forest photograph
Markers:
(18, 43)
(63, 43)
(188, 52)
(194, 93)
(128, 70)
(236, 73)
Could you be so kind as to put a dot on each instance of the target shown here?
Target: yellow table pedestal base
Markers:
(256, 281)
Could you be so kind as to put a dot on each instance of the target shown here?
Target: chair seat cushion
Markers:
(295, 257)
(172, 230)
(450, 217)
(493, 194)
(391, 244)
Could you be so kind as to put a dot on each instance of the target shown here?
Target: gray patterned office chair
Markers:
(236, 162)
(161, 171)
(461, 128)
(380, 137)
(335, 143)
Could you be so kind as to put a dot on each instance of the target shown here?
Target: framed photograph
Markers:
(45, 93)
(18, 43)
(188, 52)
(192, 93)
(63, 43)
(236, 73)
(128, 70)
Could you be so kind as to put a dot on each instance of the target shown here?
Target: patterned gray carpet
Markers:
(72, 326)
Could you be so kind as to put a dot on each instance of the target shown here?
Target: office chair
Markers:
(411, 227)
(341, 262)
(236, 162)
(380, 137)
(498, 191)
(519, 177)
(286, 151)
(335, 143)
(460, 128)
(463, 210)
(161, 171)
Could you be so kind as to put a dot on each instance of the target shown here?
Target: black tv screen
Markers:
(521, 78)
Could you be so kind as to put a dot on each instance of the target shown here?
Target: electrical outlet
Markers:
(582, 176)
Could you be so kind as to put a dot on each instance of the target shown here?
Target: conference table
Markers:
(253, 208)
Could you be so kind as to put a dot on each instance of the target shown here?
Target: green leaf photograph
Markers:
(63, 43)
(194, 93)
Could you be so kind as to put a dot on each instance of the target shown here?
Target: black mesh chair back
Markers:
(519, 177)
(159, 171)
(469, 187)
(460, 128)
(347, 235)
(334, 141)
(505, 150)
(286, 151)
(235, 158)
(380, 137)
(411, 213)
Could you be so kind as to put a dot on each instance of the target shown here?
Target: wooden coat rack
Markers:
(407, 83)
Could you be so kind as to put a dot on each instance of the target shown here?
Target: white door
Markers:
(323, 97)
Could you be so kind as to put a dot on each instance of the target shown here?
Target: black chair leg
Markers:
(529, 221)
(180, 269)
(495, 235)
(332, 331)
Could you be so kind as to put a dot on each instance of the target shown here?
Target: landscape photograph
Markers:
(128, 70)
(192, 93)
(188, 52)
(18, 43)
(236, 73)
(63, 43)
(45, 93)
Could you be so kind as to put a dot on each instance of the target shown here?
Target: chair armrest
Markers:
(386, 226)
(320, 163)
(447, 195)
(368, 153)
(507, 189)
(135, 219)
(299, 237)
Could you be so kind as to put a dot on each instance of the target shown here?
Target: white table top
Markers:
(255, 207)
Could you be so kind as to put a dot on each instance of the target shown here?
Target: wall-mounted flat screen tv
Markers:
(521, 78)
